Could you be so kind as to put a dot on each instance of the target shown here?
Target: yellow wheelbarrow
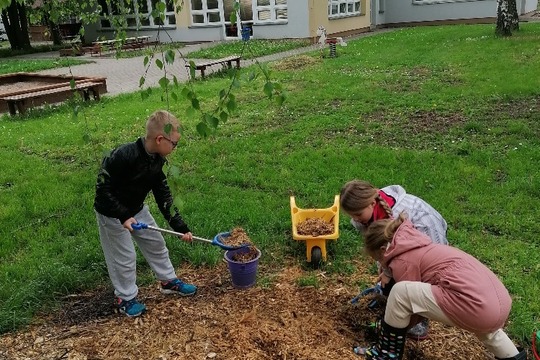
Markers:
(315, 245)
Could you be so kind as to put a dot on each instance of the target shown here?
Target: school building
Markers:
(209, 20)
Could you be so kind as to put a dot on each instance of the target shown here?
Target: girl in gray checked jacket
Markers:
(365, 203)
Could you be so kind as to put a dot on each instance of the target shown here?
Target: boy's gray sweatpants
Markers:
(120, 255)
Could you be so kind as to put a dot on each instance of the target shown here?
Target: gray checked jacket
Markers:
(423, 216)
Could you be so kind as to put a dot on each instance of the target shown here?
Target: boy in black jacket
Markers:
(126, 177)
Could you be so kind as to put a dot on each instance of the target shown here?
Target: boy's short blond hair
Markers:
(157, 124)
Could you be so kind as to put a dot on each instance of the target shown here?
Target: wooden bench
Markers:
(20, 101)
(71, 51)
(226, 60)
(93, 50)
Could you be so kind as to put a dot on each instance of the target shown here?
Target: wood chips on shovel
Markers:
(239, 237)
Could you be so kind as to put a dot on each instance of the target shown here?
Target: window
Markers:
(342, 8)
(136, 12)
(270, 11)
(205, 12)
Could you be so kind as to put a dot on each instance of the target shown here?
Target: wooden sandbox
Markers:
(20, 91)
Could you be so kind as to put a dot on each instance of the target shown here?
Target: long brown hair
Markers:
(356, 195)
(381, 232)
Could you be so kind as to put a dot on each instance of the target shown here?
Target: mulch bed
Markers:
(278, 321)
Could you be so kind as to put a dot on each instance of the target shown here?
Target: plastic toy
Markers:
(315, 245)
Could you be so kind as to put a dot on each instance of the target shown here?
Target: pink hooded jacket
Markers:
(465, 289)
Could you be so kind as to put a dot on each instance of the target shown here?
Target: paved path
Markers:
(123, 74)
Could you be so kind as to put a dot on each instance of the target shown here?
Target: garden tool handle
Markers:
(139, 226)
(215, 242)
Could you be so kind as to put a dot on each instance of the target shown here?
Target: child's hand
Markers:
(188, 237)
(128, 222)
(384, 279)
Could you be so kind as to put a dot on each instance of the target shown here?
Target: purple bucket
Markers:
(243, 275)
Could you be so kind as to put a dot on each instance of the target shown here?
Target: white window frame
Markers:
(137, 16)
(205, 12)
(337, 4)
(271, 7)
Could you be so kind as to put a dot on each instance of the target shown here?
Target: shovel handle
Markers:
(140, 226)
(215, 242)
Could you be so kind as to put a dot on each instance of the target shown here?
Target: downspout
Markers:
(373, 14)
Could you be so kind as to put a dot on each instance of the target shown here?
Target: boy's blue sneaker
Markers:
(176, 286)
(131, 308)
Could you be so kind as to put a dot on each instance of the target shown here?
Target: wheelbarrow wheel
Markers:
(316, 256)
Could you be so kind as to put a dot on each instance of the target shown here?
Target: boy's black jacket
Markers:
(126, 177)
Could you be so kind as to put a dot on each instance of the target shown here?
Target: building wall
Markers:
(297, 25)
(305, 16)
(406, 11)
(526, 6)
(185, 32)
(318, 16)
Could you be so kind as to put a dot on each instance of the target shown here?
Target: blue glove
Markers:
(377, 289)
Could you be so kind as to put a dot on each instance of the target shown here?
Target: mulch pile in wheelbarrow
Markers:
(279, 320)
(315, 227)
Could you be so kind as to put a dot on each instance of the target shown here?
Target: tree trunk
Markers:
(504, 20)
(55, 31)
(16, 24)
(514, 17)
(25, 36)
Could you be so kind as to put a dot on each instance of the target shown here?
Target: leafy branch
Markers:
(172, 90)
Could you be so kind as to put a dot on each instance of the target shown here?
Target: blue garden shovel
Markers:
(216, 241)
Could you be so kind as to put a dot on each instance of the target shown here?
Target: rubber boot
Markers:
(521, 356)
(390, 344)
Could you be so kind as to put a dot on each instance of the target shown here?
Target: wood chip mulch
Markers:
(315, 227)
(239, 237)
(276, 319)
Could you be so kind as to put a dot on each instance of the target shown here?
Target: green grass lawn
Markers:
(256, 48)
(449, 112)
(8, 66)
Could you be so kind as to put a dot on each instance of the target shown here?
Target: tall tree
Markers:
(52, 12)
(16, 25)
(507, 17)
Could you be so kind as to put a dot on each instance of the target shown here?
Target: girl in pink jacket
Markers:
(438, 282)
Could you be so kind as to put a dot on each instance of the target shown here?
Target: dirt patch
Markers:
(279, 321)
(295, 62)
(521, 109)
(420, 121)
